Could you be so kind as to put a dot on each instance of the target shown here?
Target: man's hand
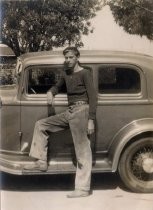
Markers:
(91, 126)
(50, 98)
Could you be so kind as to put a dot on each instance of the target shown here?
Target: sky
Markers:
(108, 35)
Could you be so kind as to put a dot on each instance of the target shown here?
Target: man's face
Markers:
(70, 60)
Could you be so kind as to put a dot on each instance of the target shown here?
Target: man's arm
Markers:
(91, 126)
(54, 90)
(50, 97)
(92, 100)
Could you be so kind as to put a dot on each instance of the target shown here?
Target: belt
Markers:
(77, 103)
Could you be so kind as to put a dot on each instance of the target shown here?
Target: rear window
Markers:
(118, 80)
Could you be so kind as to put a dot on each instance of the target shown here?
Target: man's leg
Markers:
(78, 126)
(39, 146)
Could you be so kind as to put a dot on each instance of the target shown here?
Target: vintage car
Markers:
(123, 140)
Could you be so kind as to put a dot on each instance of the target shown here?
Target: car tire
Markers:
(136, 166)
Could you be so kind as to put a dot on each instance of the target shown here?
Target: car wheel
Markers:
(136, 166)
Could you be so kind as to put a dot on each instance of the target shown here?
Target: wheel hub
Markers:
(142, 164)
(147, 165)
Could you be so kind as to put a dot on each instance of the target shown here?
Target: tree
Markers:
(136, 16)
(28, 26)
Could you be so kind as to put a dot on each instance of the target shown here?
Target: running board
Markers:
(14, 164)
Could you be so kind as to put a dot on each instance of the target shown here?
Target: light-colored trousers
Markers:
(76, 117)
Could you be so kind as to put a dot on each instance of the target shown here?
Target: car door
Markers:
(121, 98)
(37, 81)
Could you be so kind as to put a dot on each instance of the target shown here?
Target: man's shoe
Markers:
(78, 194)
(38, 165)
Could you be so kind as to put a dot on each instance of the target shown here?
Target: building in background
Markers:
(7, 65)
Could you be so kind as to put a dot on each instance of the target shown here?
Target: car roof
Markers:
(87, 56)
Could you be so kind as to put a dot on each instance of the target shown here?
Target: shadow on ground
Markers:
(56, 182)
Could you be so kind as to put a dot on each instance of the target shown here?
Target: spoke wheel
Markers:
(136, 166)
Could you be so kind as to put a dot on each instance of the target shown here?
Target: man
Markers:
(79, 116)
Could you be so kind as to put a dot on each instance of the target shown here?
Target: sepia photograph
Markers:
(76, 104)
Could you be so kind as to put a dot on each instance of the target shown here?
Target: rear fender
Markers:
(127, 135)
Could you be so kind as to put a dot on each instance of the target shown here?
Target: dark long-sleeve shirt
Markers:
(79, 88)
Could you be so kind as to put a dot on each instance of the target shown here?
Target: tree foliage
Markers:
(37, 25)
(136, 16)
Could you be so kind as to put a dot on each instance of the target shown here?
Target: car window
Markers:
(118, 80)
(41, 79)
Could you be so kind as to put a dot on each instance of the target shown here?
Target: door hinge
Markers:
(20, 134)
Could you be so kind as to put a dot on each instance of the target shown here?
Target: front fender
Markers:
(126, 135)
